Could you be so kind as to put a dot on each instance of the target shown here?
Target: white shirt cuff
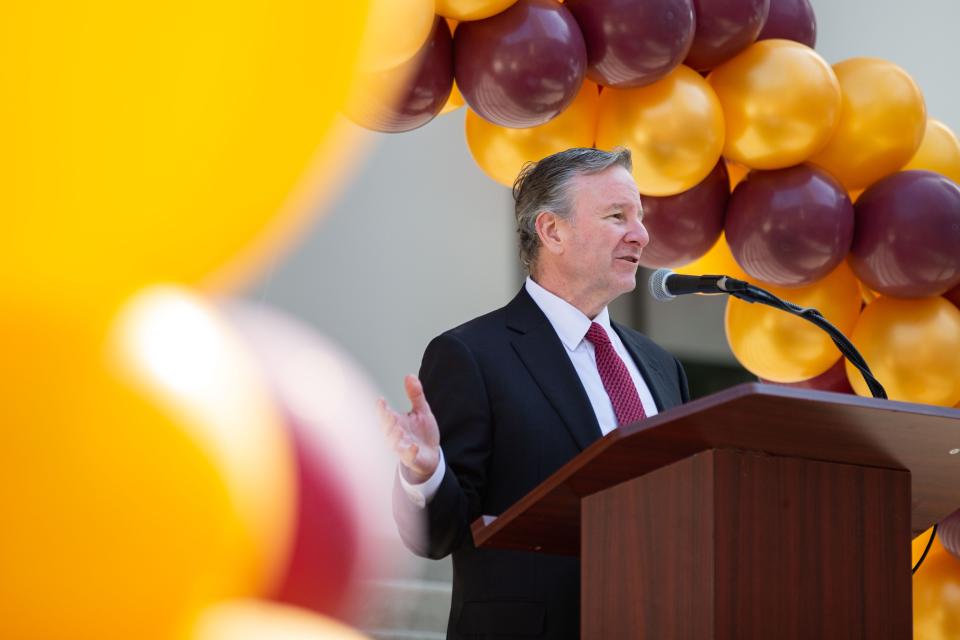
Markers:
(420, 494)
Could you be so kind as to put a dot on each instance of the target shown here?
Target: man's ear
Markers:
(549, 229)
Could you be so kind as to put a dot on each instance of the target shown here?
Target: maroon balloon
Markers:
(724, 29)
(343, 469)
(949, 533)
(954, 296)
(790, 226)
(791, 20)
(684, 227)
(907, 240)
(521, 67)
(426, 91)
(833, 379)
(630, 43)
(325, 550)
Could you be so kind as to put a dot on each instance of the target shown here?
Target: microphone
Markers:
(667, 285)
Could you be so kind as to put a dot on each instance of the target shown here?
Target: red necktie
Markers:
(615, 377)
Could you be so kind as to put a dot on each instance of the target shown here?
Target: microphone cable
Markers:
(754, 294)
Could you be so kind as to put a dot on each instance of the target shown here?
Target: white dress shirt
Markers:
(571, 326)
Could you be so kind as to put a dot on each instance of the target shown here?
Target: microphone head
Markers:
(658, 282)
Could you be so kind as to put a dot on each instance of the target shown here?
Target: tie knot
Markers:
(597, 335)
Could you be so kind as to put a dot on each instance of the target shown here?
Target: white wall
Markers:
(419, 242)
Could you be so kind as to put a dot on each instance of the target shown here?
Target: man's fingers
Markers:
(393, 438)
(388, 417)
(408, 455)
(415, 393)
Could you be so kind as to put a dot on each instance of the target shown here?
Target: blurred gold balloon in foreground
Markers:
(502, 151)
(780, 347)
(167, 142)
(912, 347)
(142, 472)
(674, 127)
(259, 620)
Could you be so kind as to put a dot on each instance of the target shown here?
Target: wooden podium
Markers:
(758, 512)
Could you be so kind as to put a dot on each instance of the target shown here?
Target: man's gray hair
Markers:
(545, 186)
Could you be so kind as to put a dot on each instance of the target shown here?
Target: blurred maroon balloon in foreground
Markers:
(650, 38)
(791, 20)
(789, 226)
(724, 29)
(345, 470)
(907, 240)
(429, 80)
(522, 67)
(833, 379)
(685, 226)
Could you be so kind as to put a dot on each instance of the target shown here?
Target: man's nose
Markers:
(637, 234)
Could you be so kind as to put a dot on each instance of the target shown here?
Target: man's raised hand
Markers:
(413, 435)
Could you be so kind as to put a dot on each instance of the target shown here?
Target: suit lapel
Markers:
(546, 359)
(657, 380)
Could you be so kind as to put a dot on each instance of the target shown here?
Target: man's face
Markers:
(605, 235)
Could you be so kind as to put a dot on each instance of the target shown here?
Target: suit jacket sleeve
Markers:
(455, 389)
(682, 382)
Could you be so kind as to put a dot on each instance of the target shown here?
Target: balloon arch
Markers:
(754, 157)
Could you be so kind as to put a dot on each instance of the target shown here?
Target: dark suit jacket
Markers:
(511, 411)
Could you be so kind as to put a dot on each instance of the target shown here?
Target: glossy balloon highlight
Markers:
(789, 227)
(521, 67)
(907, 240)
(674, 128)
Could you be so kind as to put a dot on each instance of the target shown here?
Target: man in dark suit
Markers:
(506, 399)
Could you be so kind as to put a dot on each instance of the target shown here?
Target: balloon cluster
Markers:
(843, 191)
(188, 455)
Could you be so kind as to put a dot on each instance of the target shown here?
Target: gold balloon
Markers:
(780, 347)
(394, 32)
(882, 121)
(918, 544)
(471, 9)
(939, 151)
(737, 173)
(867, 294)
(502, 151)
(454, 102)
(718, 261)
(178, 142)
(936, 595)
(143, 471)
(258, 620)
(674, 127)
(781, 104)
(912, 348)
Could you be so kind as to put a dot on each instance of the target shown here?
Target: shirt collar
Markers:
(569, 322)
